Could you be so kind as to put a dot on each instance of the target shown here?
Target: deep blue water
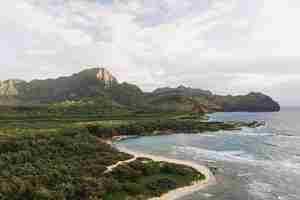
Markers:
(254, 164)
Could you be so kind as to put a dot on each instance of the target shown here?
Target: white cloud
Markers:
(37, 21)
(277, 30)
(231, 46)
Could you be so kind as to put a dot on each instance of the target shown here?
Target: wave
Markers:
(257, 188)
(243, 132)
(289, 165)
(254, 134)
(262, 190)
(198, 153)
(261, 131)
(288, 136)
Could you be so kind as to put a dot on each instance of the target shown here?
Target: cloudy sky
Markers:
(227, 46)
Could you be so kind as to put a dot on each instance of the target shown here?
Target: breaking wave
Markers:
(195, 153)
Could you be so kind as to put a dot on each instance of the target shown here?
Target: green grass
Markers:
(18, 123)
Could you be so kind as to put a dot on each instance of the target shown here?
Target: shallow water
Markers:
(253, 164)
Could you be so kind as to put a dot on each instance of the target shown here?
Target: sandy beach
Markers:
(180, 192)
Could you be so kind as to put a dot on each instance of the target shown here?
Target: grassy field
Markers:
(18, 123)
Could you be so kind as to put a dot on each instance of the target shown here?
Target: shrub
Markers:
(161, 185)
(133, 188)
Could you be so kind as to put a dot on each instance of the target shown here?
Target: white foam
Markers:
(250, 132)
(207, 195)
(236, 132)
(245, 174)
(231, 156)
(288, 165)
(242, 132)
(288, 136)
(261, 190)
(208, 135)
(268, 191)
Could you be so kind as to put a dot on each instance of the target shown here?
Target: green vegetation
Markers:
(184, 97)
(96, 94)
(52, 167)
(163, 126)
(53, 157)
(145, 178)
(253, 102)
(61, 155)
(71, 166)
(18, 121)
(51, 135)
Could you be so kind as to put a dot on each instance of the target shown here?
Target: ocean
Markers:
(253, 164)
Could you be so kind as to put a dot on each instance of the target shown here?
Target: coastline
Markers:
(179, 192)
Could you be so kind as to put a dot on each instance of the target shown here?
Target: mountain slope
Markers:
(97, 86)
(252, 102)
(189, 97)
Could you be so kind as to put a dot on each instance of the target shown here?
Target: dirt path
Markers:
(111, 167)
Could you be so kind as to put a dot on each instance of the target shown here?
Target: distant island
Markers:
(99, 89)
(56, 137)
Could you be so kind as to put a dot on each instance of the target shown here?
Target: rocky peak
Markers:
(100, 74)
(105, 76)
(182, 87)
(9, 87)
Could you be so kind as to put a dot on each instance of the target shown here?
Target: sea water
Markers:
(253, 164)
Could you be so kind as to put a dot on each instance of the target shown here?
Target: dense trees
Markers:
(71, 166)
(145, 178)
(52, 167)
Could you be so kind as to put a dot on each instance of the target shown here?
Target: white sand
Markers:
(180, 192)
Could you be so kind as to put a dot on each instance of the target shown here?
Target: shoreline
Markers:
(179, 192)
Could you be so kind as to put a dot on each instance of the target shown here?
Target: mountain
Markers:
(181, 90)
(252, 102)
(97, 86)
(87, 83)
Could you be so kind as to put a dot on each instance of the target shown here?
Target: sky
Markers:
(227, 46)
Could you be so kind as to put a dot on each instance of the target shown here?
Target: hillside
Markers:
(189, 97)
(98, 88)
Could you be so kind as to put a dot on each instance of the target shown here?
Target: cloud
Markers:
(228, 46)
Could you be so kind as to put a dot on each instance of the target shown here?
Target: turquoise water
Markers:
(253, 164)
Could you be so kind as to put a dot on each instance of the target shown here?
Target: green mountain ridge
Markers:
(97, 87)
